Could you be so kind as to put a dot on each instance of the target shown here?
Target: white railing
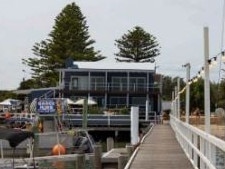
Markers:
(205, 151)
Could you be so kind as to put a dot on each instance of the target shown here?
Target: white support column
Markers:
(147, 82)
(89, 81)
(106, 81)
(105, 106)
(134, 125)
(175, 101)
(178, 98)
(106, 89)
(207, 90)
(128, 88)
(172, 106)
(187, 108)
(146, 109)
(206, 82)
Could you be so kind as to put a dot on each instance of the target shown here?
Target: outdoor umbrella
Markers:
(85, 105)
(6, 102)
(69, 101)
(81, 102)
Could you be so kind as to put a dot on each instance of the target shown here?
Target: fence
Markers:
(107, 120)
(205, 151)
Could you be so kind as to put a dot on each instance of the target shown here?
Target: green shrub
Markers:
(124, 111)
(94, 110)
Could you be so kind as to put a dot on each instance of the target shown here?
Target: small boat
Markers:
(83, 143)
(15, 137)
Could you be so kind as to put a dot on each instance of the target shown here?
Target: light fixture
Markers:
(189, 82)
(214, 61)
(223, 56)
(210, 63)
(202, 71)
(195, 79)
(199, 74)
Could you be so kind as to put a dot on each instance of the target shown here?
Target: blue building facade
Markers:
(112, 85)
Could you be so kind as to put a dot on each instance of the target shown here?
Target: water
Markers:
(70, 164)
(62, 165)
(53, 165)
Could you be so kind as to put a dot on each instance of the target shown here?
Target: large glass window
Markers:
(97, 83)
(137, 83)
(74, 83)
(132, 84)
(117, 101)
(139, 101)
(119, 83)
(141, 85)
(79, 82)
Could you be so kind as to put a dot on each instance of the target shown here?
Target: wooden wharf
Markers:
(159, 150)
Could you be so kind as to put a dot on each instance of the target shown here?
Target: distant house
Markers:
(112, 85)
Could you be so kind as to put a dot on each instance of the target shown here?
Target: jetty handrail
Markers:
(105, 120)
(200, 147)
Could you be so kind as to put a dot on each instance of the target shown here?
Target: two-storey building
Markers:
(112, 84)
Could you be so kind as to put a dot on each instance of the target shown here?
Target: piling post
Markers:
(134, 125)
(110, 143)
(97, 157)
(129, 149)
(122, 160)
(187, 101)
(80, 164)
(146, 110)
(92, 160)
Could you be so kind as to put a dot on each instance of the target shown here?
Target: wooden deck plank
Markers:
(161, 150)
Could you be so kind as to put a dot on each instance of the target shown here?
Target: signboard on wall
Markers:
(46, 106)
(51, 106)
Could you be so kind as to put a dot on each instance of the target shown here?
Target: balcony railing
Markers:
(119, 87)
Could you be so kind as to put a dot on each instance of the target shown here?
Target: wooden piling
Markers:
(97, 157)
(129, 150)
(92, 160)
(110, 143)
(122, 160)
(80, 164)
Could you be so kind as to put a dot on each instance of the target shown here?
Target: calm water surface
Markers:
(64, 164)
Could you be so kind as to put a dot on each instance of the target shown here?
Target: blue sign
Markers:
(46, 106)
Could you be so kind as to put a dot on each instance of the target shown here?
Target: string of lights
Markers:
(212, 62)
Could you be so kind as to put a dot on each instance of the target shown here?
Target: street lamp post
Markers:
(178, 98)
(187, 108)
(206, 81)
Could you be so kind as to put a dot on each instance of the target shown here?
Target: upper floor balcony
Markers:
(114, 87)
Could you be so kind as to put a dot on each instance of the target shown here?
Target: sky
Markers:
(177, 25)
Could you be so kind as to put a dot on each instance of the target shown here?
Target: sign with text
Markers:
(46, 106)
